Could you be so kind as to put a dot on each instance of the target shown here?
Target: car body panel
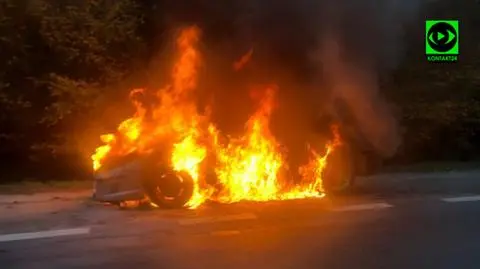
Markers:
(121, 183)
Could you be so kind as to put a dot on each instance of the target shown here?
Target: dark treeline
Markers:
(66, 67)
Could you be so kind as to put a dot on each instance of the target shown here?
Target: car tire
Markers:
(339, 173)
(170, 189)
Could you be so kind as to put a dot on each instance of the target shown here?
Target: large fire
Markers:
(250, 167)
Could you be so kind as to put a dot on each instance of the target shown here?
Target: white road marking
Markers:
(462, 199)
(373, 206)
(194, 221)
(43, 234)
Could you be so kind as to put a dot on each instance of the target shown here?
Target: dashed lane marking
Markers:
(361, 207)
(462, 199)
(195, 221)
(44, 234)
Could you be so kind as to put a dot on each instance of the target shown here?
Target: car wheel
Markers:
(339, 176)
(170, 189)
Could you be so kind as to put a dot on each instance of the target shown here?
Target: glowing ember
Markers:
(238, 65)
(248, 167)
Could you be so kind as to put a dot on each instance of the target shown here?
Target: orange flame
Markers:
(247, 167)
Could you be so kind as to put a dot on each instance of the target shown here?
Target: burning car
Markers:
(137, 177)
(134, 177)
(172, 156)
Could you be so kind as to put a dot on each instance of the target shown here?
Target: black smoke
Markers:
(326, 55)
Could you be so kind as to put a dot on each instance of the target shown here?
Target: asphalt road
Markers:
(422, 229)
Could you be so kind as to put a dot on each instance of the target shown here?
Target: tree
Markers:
(58, 61)
(441, 102)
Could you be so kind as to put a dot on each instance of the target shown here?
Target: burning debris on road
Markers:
(177, 156)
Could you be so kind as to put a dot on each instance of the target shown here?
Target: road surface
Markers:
(424, 228)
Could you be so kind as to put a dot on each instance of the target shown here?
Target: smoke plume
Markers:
(331, 53)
